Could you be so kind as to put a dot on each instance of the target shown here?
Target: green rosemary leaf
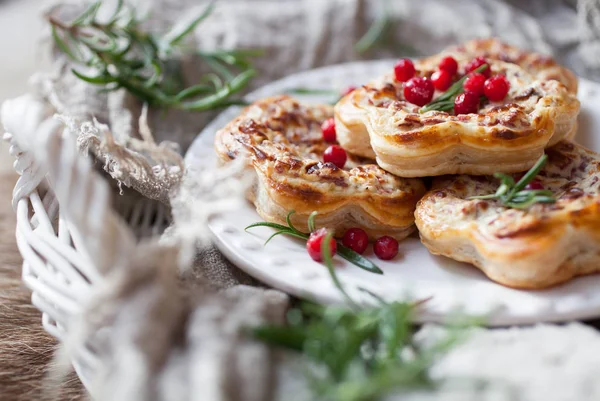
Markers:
(445, 106)
(531, 174)
(525, 202)
(506, 179)
(281, 230)
(545, 199)
(288, 337)
(376, 31)
(236, 54)
(236, 85)
(484, 197)
(177, 34)
(116, 13)
(62, 45)
(311, 222)
(288, 220)
(123, 47)
(99, 79)
(298, 235)
(151, 95)
(394, 335)
(219, 68)
(535, 192)
(328, 260)
(192, 91)
(276, 233)
(357, 259)
(375, 296)
(311, 91)
(153, 80)
(88, 15)
(373, 35)
(267, 224)
(100, 44)
(232, 102)
(213, 79)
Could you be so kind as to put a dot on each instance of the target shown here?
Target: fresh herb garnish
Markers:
(117, 53)
(333, 94)
(343, 251)
(311, 91)
(514, 195)
(445, 102)
(357, 354)
(376, 32)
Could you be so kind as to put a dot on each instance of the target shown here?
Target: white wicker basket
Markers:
(56, 264)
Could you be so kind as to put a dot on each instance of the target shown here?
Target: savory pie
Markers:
(537, 247)
(508, 136)
(281, 139)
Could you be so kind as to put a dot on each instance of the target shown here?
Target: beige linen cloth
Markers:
(175, 339)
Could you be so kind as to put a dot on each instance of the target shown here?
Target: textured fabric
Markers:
(187, 340)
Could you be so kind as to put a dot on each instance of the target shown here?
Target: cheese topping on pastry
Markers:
(507, 136)
(281, 140)
(538, 247)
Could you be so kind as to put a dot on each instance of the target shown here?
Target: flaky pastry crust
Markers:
(508, 136)
(281, 139)
(539, 247)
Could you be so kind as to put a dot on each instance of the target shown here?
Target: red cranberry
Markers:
(466, 103)
(441, 80)
(348, 90)
(385, 247)
(313, 245)
(419, 91)
(335, 154)
(356, 239)
(476, 63)
(496, 88)
(534, 185)
(404, 70)
(474, 83)
(448, 64)
(328, 129)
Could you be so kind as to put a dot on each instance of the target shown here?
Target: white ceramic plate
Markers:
(415, 273)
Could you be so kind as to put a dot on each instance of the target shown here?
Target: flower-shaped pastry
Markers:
(282, 140)
(508, 135)
(540, 246)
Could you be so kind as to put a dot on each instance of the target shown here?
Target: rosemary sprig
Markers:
(445, 102)
(117, 53)
(345, 252)
(310, 91)
(514, 195)
(302, 91)
(377, 31)
(357, 354)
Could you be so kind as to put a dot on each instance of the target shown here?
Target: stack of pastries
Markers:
(414, 156)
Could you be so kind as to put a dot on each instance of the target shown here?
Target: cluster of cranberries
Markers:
(385, 247)
(420, 90)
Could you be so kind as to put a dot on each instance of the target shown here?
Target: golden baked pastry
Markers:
(537, 247)
(281, 139)
(508, 136)
(542, 66)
